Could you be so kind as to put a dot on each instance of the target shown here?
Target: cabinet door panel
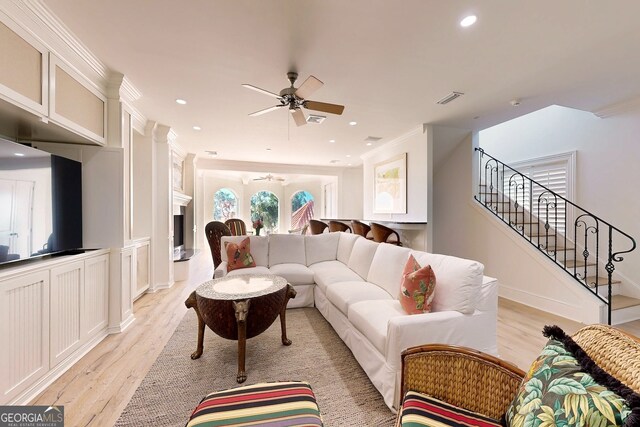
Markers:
(24, 325)
(67, 293)
(23, 69)
(96, 294)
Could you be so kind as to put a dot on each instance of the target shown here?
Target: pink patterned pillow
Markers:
(239, 255)
(417, 288)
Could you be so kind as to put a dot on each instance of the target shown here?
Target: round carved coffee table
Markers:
(240, 307)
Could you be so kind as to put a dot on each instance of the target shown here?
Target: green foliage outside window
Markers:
(299, 199)
(225, 205)
(264, 206)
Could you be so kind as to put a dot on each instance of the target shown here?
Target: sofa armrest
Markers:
(442, 327)
(221, 270)
(462, 377)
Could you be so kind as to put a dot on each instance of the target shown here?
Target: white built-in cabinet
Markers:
(36, 80)
(51, 313)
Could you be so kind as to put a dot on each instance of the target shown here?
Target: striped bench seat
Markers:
(421, 410)
(281, 404)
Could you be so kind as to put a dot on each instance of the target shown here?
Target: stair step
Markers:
(619, 302)
(602, 281)
(579, 263)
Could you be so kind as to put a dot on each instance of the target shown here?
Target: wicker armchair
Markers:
(361, 228)
(214, 232)
(237, 227)
(335, 226)
(381, 234)
(317, 227)
(481, 383)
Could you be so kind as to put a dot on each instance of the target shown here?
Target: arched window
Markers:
(301, 209)
(225, 205)
(265, 208)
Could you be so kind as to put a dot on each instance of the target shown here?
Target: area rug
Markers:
(175, 384)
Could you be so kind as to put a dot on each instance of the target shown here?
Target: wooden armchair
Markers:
(214, 232)
(335, 226)
(484, 384)
(317, 227)
(237, 226)
(361, 228)
(381, 234)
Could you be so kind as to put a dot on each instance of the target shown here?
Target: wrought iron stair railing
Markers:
(579, 242)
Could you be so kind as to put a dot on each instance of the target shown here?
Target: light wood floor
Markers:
(96, 389)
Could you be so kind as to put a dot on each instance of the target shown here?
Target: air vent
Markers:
(372, 139)
(447, 99)
(334, 161)
(314, 118)
(211, 152)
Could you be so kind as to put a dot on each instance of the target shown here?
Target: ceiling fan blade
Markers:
(298, 117)
(265, 110)
(324, 107)
(308, 87)
(257, 89)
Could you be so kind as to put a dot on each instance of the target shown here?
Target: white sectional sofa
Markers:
(355, 284)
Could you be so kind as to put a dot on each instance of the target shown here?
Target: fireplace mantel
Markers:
(181, 199)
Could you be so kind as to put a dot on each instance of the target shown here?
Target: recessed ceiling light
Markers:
(468, 21)
(332, 141)
(353, 123)
(19, 154)
(181, 101)
(348, 155)
(197, 128)
(369, 144)
(349, 164)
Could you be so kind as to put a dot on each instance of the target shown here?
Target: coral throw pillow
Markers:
(239, 255)
(417, 288)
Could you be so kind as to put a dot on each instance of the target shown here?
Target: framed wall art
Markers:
(390, 185)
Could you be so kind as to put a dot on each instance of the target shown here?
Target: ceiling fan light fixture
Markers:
(468, 21)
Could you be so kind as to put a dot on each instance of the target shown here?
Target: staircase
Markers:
(586, 247)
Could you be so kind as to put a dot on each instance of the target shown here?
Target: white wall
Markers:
(607, 160)
(351, 196)
(143, 156)
(465, 229)
(414, 144)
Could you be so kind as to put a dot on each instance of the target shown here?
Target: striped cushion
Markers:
(280, 404)
(422, 410)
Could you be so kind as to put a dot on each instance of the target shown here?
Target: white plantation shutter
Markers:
(556, 174)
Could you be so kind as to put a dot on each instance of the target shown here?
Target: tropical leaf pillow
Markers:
(417, 287)
(565, 388)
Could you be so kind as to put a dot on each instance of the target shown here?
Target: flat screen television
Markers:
(40, 203)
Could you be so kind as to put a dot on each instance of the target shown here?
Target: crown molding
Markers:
(394, 142)
(617, 108)
(50, 22)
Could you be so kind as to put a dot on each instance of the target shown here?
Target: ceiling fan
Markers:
(294, 98)
(269, 177)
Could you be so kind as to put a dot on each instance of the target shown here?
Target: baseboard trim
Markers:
(122, 326)
(32, 392)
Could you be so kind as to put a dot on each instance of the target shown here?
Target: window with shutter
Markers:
(553, 174)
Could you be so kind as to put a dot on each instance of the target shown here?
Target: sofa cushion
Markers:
(328, 272)
(459, 281)
(345, 246)
(422, 410)
(296, 274)
(564, 376)
(417, 288)
(371, 319)
(286, 248)
(259, 248)
(361, 256)
(321, 247)
(343, 294)
(239, 255)
(251, 270)
(386, 267)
